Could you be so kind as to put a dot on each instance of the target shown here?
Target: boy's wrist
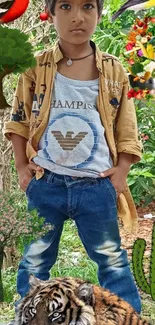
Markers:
(20, 166)
(125, 160)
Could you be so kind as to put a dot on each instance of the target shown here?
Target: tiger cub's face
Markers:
(57, 302)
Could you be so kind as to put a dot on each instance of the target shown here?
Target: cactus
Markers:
(152, 265)
(137, 261)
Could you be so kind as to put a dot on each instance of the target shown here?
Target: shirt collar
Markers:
(57, 54)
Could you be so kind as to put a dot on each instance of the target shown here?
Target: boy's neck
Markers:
(75, 50)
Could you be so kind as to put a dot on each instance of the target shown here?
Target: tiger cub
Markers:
(72, 301)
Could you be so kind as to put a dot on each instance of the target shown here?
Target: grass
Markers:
(72, 261)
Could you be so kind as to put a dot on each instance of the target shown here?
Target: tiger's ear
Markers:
(33, 281)
(86, 294)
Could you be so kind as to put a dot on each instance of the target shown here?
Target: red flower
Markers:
(135, 94)
(129, 46)
(130, 93)
(140, 23)
(131, 61)
(139, 91)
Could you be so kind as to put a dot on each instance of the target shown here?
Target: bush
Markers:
(142, 175)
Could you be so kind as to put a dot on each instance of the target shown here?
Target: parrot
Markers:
(12, 9)
(135, 5)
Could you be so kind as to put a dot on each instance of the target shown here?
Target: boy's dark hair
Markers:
(51, 6)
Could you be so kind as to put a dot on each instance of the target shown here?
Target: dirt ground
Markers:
(144, 230)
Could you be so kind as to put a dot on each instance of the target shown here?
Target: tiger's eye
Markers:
(55, 314)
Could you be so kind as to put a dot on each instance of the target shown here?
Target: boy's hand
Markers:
(26, 173)
(119, 173)
(117, 176)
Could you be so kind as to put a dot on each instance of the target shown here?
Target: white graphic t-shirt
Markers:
(74, 143)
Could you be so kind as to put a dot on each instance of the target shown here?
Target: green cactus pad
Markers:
(137, 261)
(152, 264)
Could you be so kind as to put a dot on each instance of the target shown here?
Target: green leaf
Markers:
(136, 68)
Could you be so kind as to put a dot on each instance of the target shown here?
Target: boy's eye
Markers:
(88, 6)
(65, 6)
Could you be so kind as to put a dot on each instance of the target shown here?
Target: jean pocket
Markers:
(113, 187)
(30, 185)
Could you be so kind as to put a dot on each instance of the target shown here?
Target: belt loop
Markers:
(49, 176)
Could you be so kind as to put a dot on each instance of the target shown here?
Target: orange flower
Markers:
(132, 36)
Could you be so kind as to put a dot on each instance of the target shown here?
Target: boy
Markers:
(76, 131)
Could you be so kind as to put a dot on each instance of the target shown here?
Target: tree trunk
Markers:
(5, 153)
(1, 283)
(5, 182)
(3, 102)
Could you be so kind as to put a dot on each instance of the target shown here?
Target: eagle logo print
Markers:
(68, 142)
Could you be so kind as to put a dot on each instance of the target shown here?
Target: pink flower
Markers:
(140, 53)
(146, 137)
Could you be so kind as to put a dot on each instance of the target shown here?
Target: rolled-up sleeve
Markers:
(21, 108)
(126, 134)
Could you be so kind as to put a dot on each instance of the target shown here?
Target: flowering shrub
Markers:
(144, 137)
(141, 49)
(15, 224)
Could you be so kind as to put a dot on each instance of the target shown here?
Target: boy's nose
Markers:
(77, 17)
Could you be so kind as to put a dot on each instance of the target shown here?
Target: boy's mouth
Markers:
(77, 30)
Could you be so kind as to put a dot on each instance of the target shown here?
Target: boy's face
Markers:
(75, 20)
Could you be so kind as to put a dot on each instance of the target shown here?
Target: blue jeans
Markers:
(92, 204)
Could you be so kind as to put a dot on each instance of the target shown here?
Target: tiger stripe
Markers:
(72, 301)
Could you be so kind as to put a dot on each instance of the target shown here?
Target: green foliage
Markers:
(137, 260)
(18, 225)
(9, 283)
(110, 41)
(136, 68)
(146, 122)
(141, 178)
(16, 53)
(72, 261)
(111, 36)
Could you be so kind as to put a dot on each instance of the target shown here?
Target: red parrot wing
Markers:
(5, 6)
(16, 10)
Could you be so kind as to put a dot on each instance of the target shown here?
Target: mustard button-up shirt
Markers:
(31, 108)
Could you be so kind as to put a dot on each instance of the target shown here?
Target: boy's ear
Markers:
(50, 19)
